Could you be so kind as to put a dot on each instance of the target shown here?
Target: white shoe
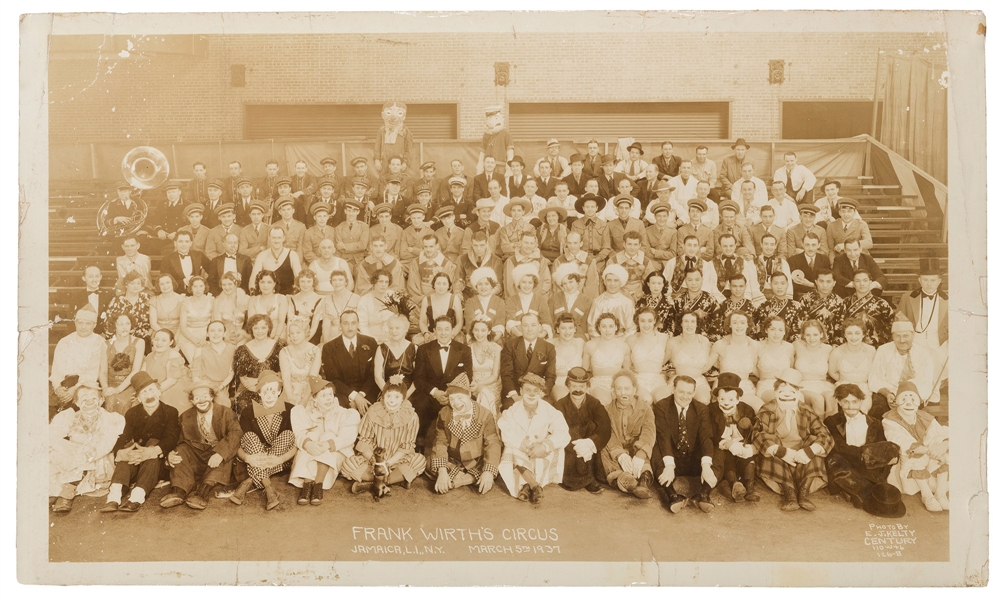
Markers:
(945, 504)
(931, 504)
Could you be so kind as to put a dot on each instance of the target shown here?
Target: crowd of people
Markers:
(672, 326)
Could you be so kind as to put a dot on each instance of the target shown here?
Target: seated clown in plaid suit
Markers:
(463, 446)
(268, 443)
(792, 442)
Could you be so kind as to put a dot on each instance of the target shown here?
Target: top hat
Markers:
(728, 381)
(885, 500)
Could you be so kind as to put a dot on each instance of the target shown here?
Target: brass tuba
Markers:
(144, 168)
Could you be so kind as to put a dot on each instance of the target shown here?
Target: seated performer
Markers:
(791, 441)
(437, 363)
(390, 425)
(268, 444)
(924, 449)
(534, 435)
(613, 301)
(210, 437)
(80, 444)
(151, 432)
(861, 457)
(626, 458)
(590, 431)
(465, 447)
(325, 435)
(80, 356)
(731, 426)
(778, 305)
(684, 441)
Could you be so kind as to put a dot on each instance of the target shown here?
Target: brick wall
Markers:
(177, 98)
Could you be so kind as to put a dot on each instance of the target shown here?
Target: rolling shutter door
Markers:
(648, 120)
(340, 121)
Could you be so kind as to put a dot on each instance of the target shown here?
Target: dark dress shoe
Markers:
(316, 494)
(109, 507)
(271, 497)
(676, 502)
(803, 500)
(790, 498)
(524, 493)
(62, 505)
(594, 488)
(172, 499)
(738, 492)
(536, 494)
(305, 493)
(704, 502)
(237, 497)
(130, 507)
(196, 499)
(643, 488)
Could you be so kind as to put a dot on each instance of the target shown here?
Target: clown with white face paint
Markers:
(793, 442)
(731, 422)
(325, 434)
(923, 443)
(268, 442)
(465, 448)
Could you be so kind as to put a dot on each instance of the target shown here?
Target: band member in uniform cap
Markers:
(795, 233)
(121, 211)
(267, 187)
(321, 212)
(412, 236)
(330, 167)
(225, 216)
(326, 188)
(203, 458)
(168, 217)
(849, 226)
(704, 233)
(464, 447)
(458, 198)
(449, 234)
(731, 426)
(199, 232)
(295, 230)
(590, 430)
(427, 179)
(534, 435)
(243, 197)
(151, 433)
(254, 235)
(792, 443)
(360, 170)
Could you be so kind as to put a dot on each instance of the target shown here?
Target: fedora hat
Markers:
(885, 500)
(141, 380)
(636, 145)
(828, 181)
(740, 142)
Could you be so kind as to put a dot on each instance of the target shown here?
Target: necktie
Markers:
(854, 266)
(351, 349)
(684, 444)
(207, 435)
(846, 227)
(729, 264)
(690, 263)
(529, 352)
(633, 168)
(769, 266)
(908, 371)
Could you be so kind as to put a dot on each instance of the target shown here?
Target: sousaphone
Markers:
(144, 168)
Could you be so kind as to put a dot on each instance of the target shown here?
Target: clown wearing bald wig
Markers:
(394, 137)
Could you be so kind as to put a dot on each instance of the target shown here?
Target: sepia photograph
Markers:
(565, 298)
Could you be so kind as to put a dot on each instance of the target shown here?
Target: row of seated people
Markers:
(684, 449)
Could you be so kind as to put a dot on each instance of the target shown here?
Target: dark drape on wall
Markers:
(914, 122)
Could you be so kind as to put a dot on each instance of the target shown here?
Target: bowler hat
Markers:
(880, 454)
(729, 381)
(141, 380)
(885, 500)
(580, 203)
(740, 142)
(607, 159)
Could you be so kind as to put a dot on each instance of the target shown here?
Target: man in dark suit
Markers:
(576, 181)
(527, 354)
(436, 364)
(684, 448)
(429, 180)
(647, 186)
(347, 361)
(809, 261)
(267, 187)
(230, 260)
(592, 161)
(667, 163)
(93, 295)
(609, 180)
(849, 262)
(490, 172)
(184, 262)
(517, 179)
(546, 182)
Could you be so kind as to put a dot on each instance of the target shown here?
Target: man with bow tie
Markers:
(683, 455)
(926, 308)
(92, 295)
(229, 260)
(528, 353)
(437, 363)
(184, 262)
